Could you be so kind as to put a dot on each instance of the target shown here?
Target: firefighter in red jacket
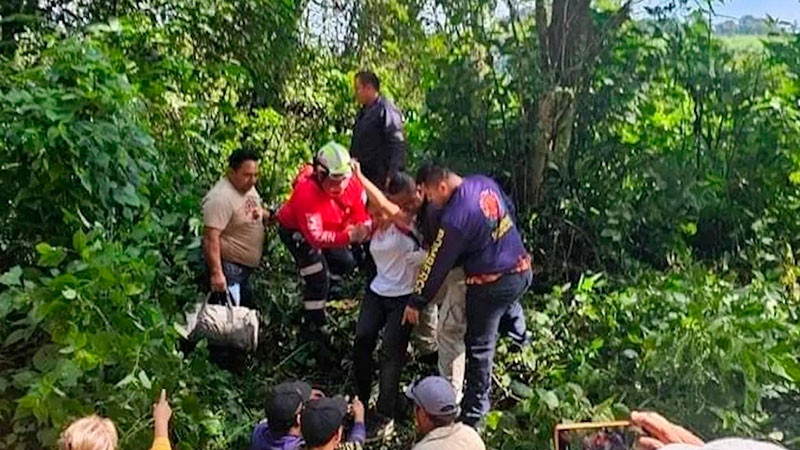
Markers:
(324, 215)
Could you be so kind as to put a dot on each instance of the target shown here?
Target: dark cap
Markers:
(321, 418)
(285, 401)
(435, 396)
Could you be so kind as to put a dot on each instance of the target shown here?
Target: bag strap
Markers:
(411, 233)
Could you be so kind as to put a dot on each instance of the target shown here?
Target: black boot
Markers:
(312, 330)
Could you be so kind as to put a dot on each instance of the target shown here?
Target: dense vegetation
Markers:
(657, 173)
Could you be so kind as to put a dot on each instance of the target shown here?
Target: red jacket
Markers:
(323, 219)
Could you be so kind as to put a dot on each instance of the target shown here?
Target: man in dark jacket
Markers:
(378, 140)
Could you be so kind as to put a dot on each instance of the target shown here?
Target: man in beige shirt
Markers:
(234, 227)
(435, 413)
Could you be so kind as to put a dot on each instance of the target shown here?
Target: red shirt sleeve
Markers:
(309, 220)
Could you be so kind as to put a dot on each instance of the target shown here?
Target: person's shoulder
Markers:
(220, 194)
(221, 187)
(469, 436)
(305, 185)
(465, 429)
(480, 180)
(388, 105)
(259, 432)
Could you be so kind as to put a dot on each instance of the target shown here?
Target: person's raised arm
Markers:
(358, 433)
(442, 256)
(374, 194)
(161, 414)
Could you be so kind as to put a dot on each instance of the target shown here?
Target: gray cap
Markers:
(435, 395)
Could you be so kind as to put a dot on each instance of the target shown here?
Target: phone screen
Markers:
(596, 436)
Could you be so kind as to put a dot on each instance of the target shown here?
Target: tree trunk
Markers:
(555, 118)
(12, 26)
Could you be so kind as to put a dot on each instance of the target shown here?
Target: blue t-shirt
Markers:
(477, 229)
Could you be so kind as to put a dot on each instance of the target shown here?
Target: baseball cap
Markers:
(335, 159)
(321, 418)
(435, 395)
(285, 401)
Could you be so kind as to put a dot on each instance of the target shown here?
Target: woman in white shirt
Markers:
(398, 254)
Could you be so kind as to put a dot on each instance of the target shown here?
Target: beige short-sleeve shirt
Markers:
(239, 216)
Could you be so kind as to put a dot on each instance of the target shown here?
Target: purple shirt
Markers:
(263, 439)
(477, 229)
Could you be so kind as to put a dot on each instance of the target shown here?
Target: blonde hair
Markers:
(89, 433)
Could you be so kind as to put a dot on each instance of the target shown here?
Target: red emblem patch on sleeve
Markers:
(490, 205)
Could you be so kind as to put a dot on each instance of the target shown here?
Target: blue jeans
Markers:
(234, 274)
(490, 308)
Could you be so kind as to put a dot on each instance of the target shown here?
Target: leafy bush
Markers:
(679, 185)
(65, 120)
(690, 343)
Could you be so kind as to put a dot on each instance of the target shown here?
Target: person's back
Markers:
(480, 211)
(455, 436)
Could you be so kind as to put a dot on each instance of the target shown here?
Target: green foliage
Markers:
(66, 119)
(688, 343)
(679, 185)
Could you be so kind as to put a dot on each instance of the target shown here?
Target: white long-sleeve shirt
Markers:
(397, 259)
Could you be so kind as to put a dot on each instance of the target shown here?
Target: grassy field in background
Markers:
(749, 42)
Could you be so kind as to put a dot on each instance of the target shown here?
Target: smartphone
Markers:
(620, 435)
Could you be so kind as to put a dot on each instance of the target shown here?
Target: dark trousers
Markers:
(489, 306)
(315, 267)
(378, 313)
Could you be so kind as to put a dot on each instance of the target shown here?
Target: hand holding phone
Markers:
(620, 435)
(661, 432)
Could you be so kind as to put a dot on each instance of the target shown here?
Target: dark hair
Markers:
(238, 157)
(281, 428)
(431, 173)
(442, 421)
(368, 77)
(400, 183)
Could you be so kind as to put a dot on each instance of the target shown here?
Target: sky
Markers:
(788, 10)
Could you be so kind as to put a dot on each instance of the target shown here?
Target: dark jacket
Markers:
(378, 141)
